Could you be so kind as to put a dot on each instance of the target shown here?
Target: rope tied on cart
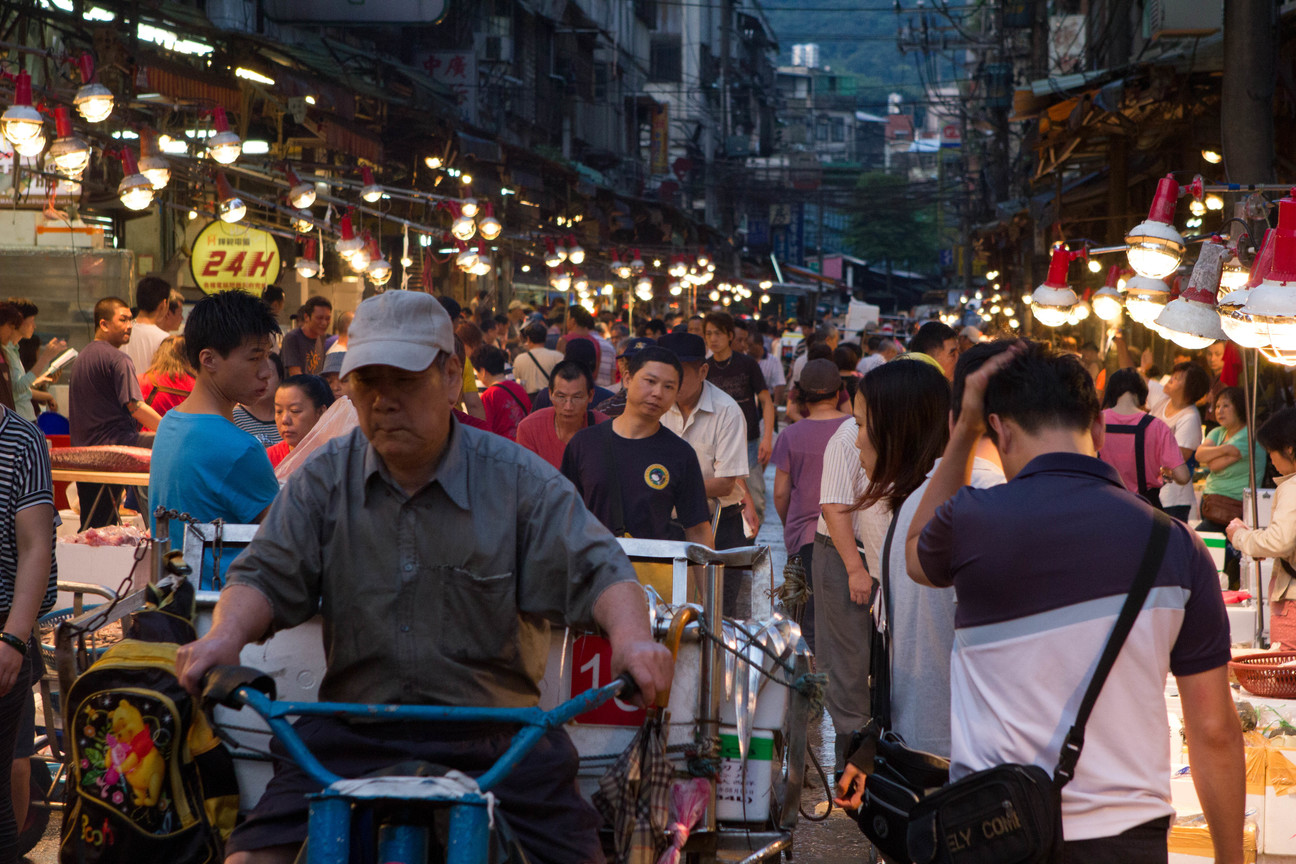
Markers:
(811, 685)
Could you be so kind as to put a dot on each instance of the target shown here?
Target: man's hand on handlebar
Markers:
(193, 660)
(651, 666)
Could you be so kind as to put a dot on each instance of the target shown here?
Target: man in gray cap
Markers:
(435, 589)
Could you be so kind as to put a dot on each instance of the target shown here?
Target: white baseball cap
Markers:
(405, 329)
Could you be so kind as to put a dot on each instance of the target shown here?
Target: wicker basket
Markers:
(1266, 675)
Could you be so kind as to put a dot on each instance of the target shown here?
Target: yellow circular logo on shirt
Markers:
(657, 476)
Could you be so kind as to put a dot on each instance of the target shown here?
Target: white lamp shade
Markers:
(1191, 324)
(1107, 303)
(1155, 249)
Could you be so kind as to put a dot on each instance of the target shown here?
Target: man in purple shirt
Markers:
(106, 406)
(1041, 566)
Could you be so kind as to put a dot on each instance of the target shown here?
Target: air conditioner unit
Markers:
(496, 48)
(1174, 19)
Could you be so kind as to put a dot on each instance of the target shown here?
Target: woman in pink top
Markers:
(1139, 446)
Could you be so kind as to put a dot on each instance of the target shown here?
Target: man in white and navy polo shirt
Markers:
(1041, 566)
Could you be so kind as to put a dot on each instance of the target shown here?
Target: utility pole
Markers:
(1247, 92)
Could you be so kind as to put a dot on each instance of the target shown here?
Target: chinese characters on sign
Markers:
(458, 71)
(234, 257)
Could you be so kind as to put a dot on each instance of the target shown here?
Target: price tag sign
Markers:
(592, 667)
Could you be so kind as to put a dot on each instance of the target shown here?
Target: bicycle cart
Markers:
(737, 714)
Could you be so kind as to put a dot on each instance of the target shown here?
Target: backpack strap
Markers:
(1139, 432)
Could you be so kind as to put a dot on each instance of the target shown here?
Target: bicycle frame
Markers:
(329, 828)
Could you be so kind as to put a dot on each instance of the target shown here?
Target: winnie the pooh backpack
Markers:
(147, 779)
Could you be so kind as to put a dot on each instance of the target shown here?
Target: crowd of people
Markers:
(478, 464)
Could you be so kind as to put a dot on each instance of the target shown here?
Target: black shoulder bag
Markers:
(1012, 814)
(898, 775)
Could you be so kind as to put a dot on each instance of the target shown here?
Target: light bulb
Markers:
(379, 271)
(1233, 276)
(1197, 208)
(623, 270)
(1212, 156)
(552, 259)
(1051, 316)
(765, 298)
(469, 207)
(465, 179)
(562, 281)
(1106, 304)
(94, 102)
(433, 162)
(70, 153)
(303, 225)
(575, 254)
(714, 295)
(224, 147)
(135, 191)
(1214, 202)
(32, 147)
(466, 259)
(231, 210)
(371, 191)
(406, 261)
(483, 266)
(725, 301)
(360, 259)
(676, 289)
(1014, 323)
(156, 169)
(307, 267)
(302, 195)
(490, 227)
(463, 228)
(21, 123)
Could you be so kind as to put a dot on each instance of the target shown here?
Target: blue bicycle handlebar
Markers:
(535, 722)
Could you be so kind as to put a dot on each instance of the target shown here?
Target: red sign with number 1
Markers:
(592, 667)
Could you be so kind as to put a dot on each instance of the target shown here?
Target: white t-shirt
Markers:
(1187, 429)
(772, 368)
(717, 432)
(922, 634)
(797, 365)
(143, 344)
(869, 363)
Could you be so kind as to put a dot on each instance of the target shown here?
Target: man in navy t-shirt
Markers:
(632, 472)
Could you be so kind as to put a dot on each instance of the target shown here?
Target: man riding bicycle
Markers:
(438, 555)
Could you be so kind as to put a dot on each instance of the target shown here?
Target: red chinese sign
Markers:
(592, 667)
(234, 257)
(458, 71)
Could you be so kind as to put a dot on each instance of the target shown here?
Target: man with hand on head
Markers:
(461, 583)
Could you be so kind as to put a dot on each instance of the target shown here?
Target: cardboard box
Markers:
(1191, 844)
(1280, 801)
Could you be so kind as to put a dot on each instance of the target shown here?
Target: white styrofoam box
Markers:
(1242, 622)
(1215, 542)
(99, 565)
(1264, 506)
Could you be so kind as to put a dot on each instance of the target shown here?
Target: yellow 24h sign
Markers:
(234, 257)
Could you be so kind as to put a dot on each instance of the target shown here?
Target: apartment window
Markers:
(646, 11)
(821, 130)
(838, 130)
(665, 61)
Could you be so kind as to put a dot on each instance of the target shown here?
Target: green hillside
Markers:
(862, 42)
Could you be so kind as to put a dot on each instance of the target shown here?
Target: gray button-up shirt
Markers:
(443, 597)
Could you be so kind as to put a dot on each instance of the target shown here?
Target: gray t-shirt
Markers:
(922, 635)
(103, 384)
(301, 350)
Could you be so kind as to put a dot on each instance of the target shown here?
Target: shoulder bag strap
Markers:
(880, 666)
(514, 395)
(1138, 593)
(1140, 452)
(544, 371)
(614, 487)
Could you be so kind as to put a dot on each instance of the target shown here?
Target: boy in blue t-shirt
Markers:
(202, 463)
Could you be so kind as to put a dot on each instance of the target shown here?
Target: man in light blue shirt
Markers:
(202, 463)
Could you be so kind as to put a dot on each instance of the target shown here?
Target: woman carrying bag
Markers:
(1278, 540)
(1224, 453)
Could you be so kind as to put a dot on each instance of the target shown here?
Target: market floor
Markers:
(834, 840)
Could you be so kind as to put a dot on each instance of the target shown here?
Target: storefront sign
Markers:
(234, 257)
(660, 149)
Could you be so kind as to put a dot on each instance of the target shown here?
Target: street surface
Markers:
(836, 840)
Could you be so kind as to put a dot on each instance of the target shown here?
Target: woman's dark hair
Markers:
(25, 306)
(491, 359)
(1039, 389)
(315, 388)
(908, 425)
(225, 320)
(1237, 398)
(570, 370)
(1278, 433)
(1124, 381)
(1196, 382)
(470, 335)
(846, 357)
(10, 315)
(818, 351)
